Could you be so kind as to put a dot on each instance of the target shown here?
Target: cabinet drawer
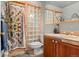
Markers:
(49, 39)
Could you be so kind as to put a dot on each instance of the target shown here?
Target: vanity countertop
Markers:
(72, 39)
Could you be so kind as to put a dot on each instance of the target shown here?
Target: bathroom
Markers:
(28, 26)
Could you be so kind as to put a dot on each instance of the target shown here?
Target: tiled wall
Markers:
(49, 28)
(67, 13)
(0, 28)
(69, 26)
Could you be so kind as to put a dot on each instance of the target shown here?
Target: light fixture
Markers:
(75, 16)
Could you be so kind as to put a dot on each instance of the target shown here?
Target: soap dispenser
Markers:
(56, 29)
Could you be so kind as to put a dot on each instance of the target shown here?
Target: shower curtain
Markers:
(34, 23)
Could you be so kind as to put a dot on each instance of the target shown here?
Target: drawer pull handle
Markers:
(52, 40)
(56, 41)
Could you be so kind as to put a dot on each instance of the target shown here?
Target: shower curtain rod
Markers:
(22, 4)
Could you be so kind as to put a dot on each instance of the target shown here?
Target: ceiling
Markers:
(60, 4)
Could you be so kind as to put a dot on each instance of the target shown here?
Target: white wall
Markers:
(49, 6)
(69, 10)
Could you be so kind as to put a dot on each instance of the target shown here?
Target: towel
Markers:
(4, 38)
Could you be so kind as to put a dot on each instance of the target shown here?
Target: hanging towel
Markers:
(2, 46)
(4, 38)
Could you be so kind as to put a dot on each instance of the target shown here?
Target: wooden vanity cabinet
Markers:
(51, 46)
(54, 47)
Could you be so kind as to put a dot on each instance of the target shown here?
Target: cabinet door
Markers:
(58, 48)
(49, 47)
(70, 50)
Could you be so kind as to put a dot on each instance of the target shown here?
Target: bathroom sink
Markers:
(35, 45)
(69, 37)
